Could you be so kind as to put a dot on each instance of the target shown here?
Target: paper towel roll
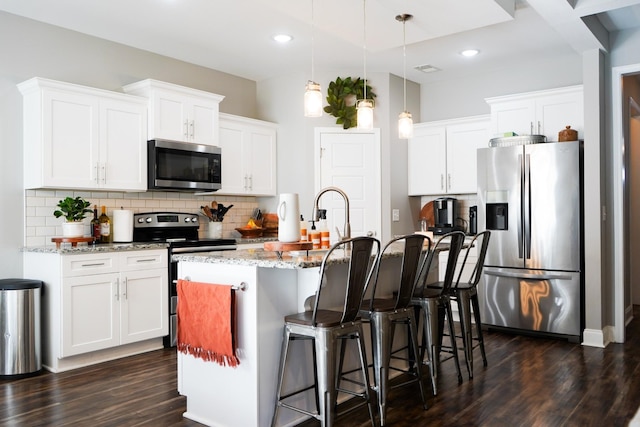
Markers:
(122, 225)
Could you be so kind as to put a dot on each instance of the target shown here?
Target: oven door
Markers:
(176, 165)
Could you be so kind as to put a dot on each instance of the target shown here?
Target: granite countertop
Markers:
(66, 248)
(270, 259)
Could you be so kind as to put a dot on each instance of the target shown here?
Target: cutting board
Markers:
(427, 213)
(282, 246)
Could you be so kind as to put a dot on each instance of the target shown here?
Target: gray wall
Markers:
(29, 48)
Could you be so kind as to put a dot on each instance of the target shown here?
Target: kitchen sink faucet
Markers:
(347, 225)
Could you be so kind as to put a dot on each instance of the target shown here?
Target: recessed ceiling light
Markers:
(282, 38)
(469, 52)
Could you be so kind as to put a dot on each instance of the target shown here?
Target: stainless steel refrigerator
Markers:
(530, 197)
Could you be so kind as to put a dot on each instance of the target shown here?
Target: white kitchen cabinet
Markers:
(442, 156)
(179, 113)
(97, 306)
(248, 156)
(83, 138)
(544, 112)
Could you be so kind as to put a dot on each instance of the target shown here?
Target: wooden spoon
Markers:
(214, 205)
(207, 212)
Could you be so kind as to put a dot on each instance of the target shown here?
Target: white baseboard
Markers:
(593, 338)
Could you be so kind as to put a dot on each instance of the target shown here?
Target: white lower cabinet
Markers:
(95, 302)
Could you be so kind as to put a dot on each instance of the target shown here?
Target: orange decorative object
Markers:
(73, 240)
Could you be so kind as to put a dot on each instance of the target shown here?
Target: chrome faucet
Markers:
(347, 225)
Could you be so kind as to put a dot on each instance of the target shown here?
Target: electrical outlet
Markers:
(395, 213)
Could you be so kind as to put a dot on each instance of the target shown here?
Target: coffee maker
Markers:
(445, 212)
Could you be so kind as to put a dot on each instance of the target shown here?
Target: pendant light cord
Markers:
(404, 60)
(312, 42)
(364, 43)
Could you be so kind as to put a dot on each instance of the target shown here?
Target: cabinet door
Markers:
(234, 176)
(514, 116)
(427, 160)
(144, 305)
(70, 140)
(203, 122)
(90, 313)
(261, 158)
(123, 145)
(463, 141)
(169, 119)
(555, 112)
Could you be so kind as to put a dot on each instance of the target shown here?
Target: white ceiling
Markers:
(235, 36)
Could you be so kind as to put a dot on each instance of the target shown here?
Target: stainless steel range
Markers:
(180, 232)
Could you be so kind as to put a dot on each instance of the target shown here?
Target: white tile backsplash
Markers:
(41, 225)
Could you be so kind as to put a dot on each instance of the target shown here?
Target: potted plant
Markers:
(73, 211)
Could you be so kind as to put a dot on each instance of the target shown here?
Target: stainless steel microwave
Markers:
(183, 166)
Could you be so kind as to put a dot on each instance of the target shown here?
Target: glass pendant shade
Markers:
(405, 125)
(365, 114)
(312, 100)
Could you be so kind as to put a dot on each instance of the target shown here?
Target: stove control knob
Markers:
(187, 219)
(149, 219)
(194, 219)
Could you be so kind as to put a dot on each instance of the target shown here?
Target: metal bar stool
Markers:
(436, 305)
(385, 313)
(328, 329)
(466, 295)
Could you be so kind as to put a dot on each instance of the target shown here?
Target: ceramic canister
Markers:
(288, 218)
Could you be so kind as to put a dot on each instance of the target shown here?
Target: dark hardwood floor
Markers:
(529, 382)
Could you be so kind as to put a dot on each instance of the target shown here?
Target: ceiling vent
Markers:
(426, 68)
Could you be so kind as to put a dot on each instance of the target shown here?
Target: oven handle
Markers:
(203, 249)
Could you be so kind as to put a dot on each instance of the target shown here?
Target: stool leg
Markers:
(283, 359)
(413, 349)
(381, 341)
(476, 314)
(452, 336)
(326, 347)
(365, 373)
(430, 318)
(464, 309)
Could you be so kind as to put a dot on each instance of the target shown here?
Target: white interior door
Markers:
(350, 160)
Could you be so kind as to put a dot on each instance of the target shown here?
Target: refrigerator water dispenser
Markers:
(497, 216)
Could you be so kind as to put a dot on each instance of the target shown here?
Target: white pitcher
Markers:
(288, 218)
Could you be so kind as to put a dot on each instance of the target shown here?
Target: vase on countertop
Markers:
(214, 231)
(288, 218)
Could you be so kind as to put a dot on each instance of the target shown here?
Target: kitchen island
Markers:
(273, 287)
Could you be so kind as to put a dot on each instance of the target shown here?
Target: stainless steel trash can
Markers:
(20, 327)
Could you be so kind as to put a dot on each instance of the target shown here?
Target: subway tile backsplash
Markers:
(41, 225)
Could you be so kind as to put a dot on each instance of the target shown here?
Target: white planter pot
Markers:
(72, 229)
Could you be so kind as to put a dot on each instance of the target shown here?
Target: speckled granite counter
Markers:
(67, 249)
(269, 259)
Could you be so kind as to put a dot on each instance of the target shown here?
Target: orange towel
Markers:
(206, 322)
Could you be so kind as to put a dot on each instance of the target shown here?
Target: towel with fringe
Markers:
(206, 322)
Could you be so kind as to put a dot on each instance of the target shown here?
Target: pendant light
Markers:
(405, 122)
(312, 93)
(365, 106)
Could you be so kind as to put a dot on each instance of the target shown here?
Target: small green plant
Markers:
(72, 209)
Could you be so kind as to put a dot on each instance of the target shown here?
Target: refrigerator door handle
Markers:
(528, 276)
(519, 225)
(527, 207)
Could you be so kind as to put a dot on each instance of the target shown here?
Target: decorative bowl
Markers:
(250, 231)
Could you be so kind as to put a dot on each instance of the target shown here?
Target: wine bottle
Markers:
(105, 226)
(95, 225)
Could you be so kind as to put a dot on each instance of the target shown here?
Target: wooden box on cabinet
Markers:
(95, 303)
(78, 137)
(248, 156)
(442, 156)
(179, 113)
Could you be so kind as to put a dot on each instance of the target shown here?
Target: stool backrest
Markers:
(414, 256)
(361, 254)
(483, 238)
(452, 243)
